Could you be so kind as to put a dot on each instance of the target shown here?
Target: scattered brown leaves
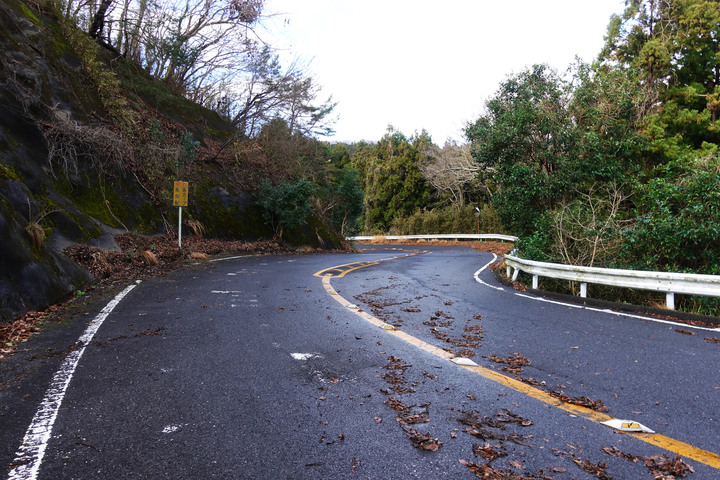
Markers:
(616, 452)
(414, 415)
(661, 467)
(423, 441)
(714, 340)
(597, 469)
(514, 362)
(478, 424)
(396, 404)
(686, 332)
(485, 470)
(465, 353)
(439, 335)
(586, 402)
(487, 451)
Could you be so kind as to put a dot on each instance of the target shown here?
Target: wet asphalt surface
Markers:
(248, 368)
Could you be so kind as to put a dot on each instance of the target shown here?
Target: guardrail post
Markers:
(670, 300)
(515, 274)
(535, 282)
(508, 271)
(583, 290)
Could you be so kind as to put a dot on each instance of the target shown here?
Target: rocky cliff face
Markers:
(62, 178)
(33, 275)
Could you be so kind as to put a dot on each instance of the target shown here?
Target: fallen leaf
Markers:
(664, 467)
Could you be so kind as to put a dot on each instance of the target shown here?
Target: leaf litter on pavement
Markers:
(661, 467)
(139, 257)
(491, 430)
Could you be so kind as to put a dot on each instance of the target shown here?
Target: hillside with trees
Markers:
(610, 164)
(106, 103)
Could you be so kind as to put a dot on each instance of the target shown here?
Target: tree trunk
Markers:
(99, 21)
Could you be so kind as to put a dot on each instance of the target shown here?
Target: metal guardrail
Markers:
(670, 283)
(442, 236)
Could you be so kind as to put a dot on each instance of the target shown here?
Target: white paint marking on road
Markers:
(620, 314)
(28, 457)
(476, 275)
(584, 307)
(303, 356)
(229, 258)
(225, 291)
(171, 428)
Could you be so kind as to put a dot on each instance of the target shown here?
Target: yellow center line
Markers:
(342, 270)
(676, 446)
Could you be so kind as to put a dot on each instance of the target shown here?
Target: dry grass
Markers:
(197, 228)
(36, 233)
(150, 258)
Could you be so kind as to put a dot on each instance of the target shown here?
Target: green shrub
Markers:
(449, 220)
(285, 205)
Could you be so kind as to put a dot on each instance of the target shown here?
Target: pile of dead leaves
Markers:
(143, 256)
(140, 257)
(21, 329)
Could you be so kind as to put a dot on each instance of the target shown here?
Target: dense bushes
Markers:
(448, 220)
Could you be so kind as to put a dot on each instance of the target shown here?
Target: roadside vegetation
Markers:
(610, 164)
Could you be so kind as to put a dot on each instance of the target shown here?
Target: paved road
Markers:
(256, 368)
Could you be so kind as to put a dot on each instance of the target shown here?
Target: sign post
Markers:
(180, 199)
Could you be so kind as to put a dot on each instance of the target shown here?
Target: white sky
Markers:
(428, 64)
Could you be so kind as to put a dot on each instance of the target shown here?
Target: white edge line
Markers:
(476, 275)
(30, 454)
(620, 314)
(592, 309)
(230, 258)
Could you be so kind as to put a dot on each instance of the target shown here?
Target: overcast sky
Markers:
(419, 64)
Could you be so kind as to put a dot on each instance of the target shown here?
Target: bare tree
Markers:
(585, 229)
(450, 170)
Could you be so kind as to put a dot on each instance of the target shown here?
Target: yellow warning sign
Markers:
(180, 194)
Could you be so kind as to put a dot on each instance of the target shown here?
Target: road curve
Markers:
(256, 368)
